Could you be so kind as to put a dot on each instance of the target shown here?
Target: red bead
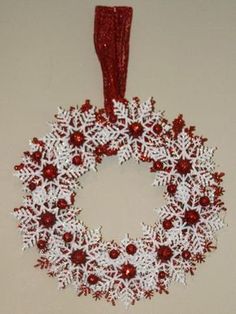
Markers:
(131, 249)
(136, 129)
(38, 142)
(157, 165)
(100, 150)
(50, 172)
(172, 188)
(167, 224)
(93, 279)
(62, 203)
(183, 166)
(110, 152)
(186, 255)
(128, 271)
(112, 118)
(77, 138)
(114, 253)
(77, 160)
(41, 244)
(178, 124)
(86, 106)
(191, 217)
(67, 237)
(48, 220)
(36, 156)
(32, 186)
(100, 116)
(157, 128)
(162, 275)
(19, 167)
(204, 201)
(164, 253)
(78, 257)
(144, 158)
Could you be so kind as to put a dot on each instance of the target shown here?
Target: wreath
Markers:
(167, 251)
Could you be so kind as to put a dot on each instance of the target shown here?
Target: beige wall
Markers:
(183, 53)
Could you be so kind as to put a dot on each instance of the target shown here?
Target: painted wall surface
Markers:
(183, 53)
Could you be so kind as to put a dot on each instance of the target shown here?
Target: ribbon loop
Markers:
(111, 39)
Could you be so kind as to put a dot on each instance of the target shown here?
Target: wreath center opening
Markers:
(119, 198)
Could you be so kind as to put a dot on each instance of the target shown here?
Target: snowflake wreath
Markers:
(135, 268)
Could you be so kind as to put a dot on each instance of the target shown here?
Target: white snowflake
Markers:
(40, 219)
(189, 150)
(66, 265)
(79, 133)
(135, 116)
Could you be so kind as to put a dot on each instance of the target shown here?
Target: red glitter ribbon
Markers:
(111, 38)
